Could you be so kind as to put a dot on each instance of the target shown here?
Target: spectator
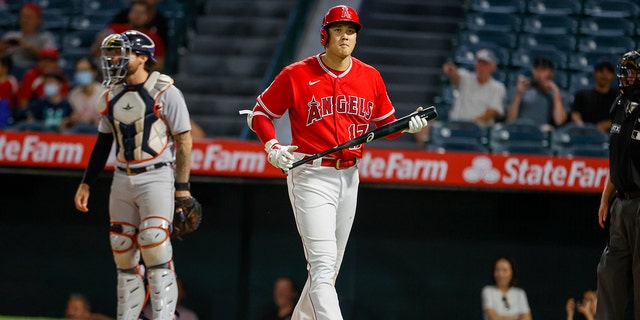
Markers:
(84, 97)
(25, 44)
(8, 90)
(285, 296)
(593, 105)
(480, 97)
(586, 307)
(138, 17)
(52, 111)
(538, 100)
(32, 83)
(158, 22)
(79, 308)
(504, 300)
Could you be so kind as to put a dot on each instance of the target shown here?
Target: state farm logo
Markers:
(481, 170)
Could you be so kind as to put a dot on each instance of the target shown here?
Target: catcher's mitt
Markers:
(187, 216)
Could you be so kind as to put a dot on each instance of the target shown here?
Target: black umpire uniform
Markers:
(619, 267)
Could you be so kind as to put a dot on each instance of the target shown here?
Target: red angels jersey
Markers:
(327, 109)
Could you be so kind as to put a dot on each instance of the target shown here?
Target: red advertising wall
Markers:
(237, 158)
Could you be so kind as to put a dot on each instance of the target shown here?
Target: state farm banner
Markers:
(238, 158)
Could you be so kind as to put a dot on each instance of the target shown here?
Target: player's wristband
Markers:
(182, 186)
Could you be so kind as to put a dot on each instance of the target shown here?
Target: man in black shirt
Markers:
(593, 105)
(619, 267)
(158, 22)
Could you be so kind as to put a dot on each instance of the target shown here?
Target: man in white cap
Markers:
(480, 97)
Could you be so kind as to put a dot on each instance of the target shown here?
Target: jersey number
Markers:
(356, 130)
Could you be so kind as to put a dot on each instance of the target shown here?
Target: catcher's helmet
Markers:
(339, 13)
(141, 43)
(629, 74)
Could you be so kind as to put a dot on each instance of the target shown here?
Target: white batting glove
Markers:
(416, 123)
(278, 155)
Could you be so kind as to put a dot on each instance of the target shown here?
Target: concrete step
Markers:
(231, 25)
(202, 64)
(410, 39)
(216, 83)
(403, 22)
(219, 103)
(231, 45)
(405, 57)
(244, 8)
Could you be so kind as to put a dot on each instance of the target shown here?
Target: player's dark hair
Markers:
(514, 275)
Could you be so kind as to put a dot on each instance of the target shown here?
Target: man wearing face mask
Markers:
(51, 112)
(84, 96)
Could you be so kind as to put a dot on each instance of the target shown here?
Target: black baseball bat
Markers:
(390, 128)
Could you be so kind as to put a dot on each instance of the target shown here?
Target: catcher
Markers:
(147, 117)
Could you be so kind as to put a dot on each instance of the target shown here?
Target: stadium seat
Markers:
(54, 21)
(572, 135)
(501, 6)
(492, 21)
(584, 61)
(458, 130)
(524, 149)
(606, 44)
(554, 7)
(465, 54)
(523, 58)
(606, 26)
(78, 41)
(516, 133)
(611, 8)
(583, 151)
(488, 38)
(580, 80)
(550, 24)
(456, 145)
(91, 21)
(565, 43)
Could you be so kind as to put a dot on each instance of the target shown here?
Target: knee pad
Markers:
(131, 294)
(122, 237)
(154, 241)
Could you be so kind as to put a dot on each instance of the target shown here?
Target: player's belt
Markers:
(337, 163)
(134, 171)
(629, 194)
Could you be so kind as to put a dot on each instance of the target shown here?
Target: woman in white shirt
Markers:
(504, 300)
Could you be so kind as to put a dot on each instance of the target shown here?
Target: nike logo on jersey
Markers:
(313, 82)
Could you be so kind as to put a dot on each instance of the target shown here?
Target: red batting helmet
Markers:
(337, 14)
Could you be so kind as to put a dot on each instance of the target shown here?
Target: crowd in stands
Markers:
(49, 77)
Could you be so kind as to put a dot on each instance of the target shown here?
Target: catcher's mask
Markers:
(116, 50)
(629, 74)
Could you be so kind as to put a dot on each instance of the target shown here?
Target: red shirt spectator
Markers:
(33, 83)
(8, 83)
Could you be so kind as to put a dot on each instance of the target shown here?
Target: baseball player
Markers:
(147, 117)
(331, 98)
(619, 266)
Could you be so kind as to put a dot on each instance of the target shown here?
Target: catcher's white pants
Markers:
(324, 205)
(147, 197)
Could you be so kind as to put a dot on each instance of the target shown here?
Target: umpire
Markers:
(619, 267)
